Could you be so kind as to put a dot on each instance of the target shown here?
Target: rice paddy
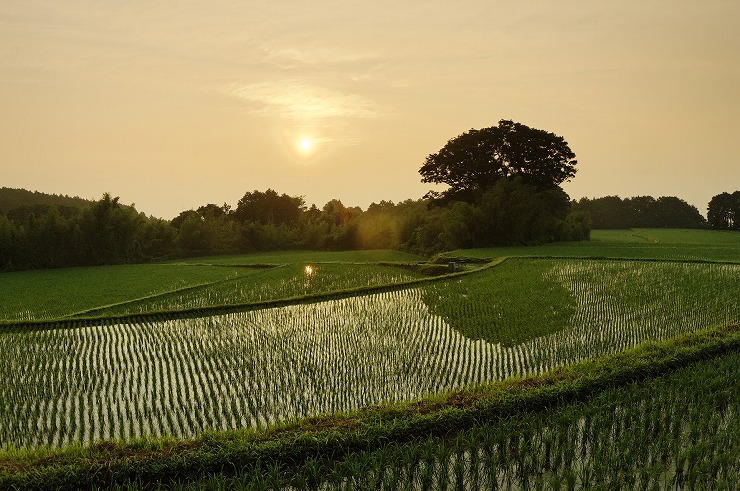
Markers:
(166, 370)
(111, 290)
(88, 382)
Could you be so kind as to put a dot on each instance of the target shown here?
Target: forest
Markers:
(49, 235)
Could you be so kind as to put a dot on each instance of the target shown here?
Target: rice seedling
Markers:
(286, 281)
(104, 290)
(517, 453)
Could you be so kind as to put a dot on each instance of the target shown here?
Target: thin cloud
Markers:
(291, 57)
(299, 101)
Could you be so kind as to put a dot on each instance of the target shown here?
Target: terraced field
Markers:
(181, 376)
(213, 351)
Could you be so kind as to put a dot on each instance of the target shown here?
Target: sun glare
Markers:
(305, 145)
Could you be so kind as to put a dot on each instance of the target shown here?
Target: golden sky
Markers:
(174, 104)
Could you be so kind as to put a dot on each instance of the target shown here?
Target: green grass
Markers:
(707, 238)
(509, 304)
(686, 245)
(619, 236)
(49, 294)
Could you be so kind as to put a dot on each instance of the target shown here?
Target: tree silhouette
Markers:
(723, 211)
(474, 161)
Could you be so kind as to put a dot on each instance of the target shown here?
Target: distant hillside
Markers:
(11, 199)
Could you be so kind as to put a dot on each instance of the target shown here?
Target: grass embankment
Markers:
(290, 445)
(678, 431)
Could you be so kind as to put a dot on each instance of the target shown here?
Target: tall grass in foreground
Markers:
(179, 377)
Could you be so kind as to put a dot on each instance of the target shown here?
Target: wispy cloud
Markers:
(292, 57)
(300, 101)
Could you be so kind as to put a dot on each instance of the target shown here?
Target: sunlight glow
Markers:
(306, 145)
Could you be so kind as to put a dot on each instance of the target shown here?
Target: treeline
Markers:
(104, 232)
(14, 198)
(511, 212)
(613, 212)
(108, 232)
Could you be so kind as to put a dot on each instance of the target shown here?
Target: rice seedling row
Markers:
(310, 441)
(287, 281)
(677, 432)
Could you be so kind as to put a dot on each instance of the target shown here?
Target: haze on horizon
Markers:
(172, 105)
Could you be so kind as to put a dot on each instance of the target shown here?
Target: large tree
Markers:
(473, 162)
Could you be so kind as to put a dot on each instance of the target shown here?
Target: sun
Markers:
(305, 145)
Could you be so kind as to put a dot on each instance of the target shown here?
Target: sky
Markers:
(171, 105)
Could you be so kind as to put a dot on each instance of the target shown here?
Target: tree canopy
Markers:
(473, 162)
(613, 212)
(269, 208)
(723, 211)
(12, 199)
